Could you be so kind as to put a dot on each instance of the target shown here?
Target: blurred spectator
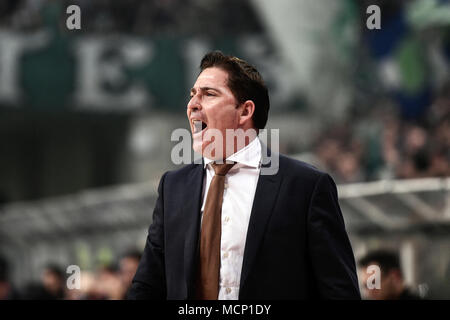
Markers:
(128, 267)
(341, 152)
(392, 285)
(85, 292)
(53, 281)
(51, 286)
(36, 291)
(348, 168)
(107, 285)
(7, 292)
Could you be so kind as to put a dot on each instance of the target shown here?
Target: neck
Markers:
(232, 141)
(235, 145)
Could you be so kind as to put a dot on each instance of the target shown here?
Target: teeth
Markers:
(197, 125)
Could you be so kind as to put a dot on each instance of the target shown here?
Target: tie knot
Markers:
(223, 168)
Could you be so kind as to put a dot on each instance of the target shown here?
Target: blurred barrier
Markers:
(88, 229)
(410, 216)
(399, 205)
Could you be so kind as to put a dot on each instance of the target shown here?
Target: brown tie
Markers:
(209, 264)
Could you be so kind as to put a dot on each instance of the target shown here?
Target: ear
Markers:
(247, 110)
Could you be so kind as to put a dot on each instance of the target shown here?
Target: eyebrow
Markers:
(205, 89)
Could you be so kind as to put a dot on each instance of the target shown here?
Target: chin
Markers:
(197, 147)
(208, 150)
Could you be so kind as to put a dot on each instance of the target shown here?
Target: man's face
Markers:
(128, 267)
(51, 281)
(212, 106)
(387, 285)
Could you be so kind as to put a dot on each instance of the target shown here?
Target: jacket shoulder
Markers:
(183, 170)
(179, 175)
(296, 167)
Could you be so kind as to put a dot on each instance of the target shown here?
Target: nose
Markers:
(194, 104)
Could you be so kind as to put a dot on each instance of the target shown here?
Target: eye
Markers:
(210, 94)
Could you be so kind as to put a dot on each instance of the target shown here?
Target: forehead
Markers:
(212, 77)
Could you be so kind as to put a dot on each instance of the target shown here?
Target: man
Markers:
(53, 281)
(127, 269)
(7, 291)
(223, 229)
(391, 285)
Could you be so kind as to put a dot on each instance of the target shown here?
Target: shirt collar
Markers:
(250, 155)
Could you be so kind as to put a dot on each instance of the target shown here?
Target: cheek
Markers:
(226, 119)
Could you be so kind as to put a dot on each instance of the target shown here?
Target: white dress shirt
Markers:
(240, 187)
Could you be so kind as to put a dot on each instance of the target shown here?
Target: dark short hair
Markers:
(132, 254)
(244, 81)
(386, 259)
(55, 269)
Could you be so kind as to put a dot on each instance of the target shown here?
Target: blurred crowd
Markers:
(385, 145)
(112, 282)
(140, 17)
(108, 282)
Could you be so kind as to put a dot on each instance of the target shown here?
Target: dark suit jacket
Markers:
(296, 246)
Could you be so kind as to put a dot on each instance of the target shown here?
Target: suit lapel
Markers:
(191, 216)
(265, 197)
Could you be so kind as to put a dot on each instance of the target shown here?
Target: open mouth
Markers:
(199, 125)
